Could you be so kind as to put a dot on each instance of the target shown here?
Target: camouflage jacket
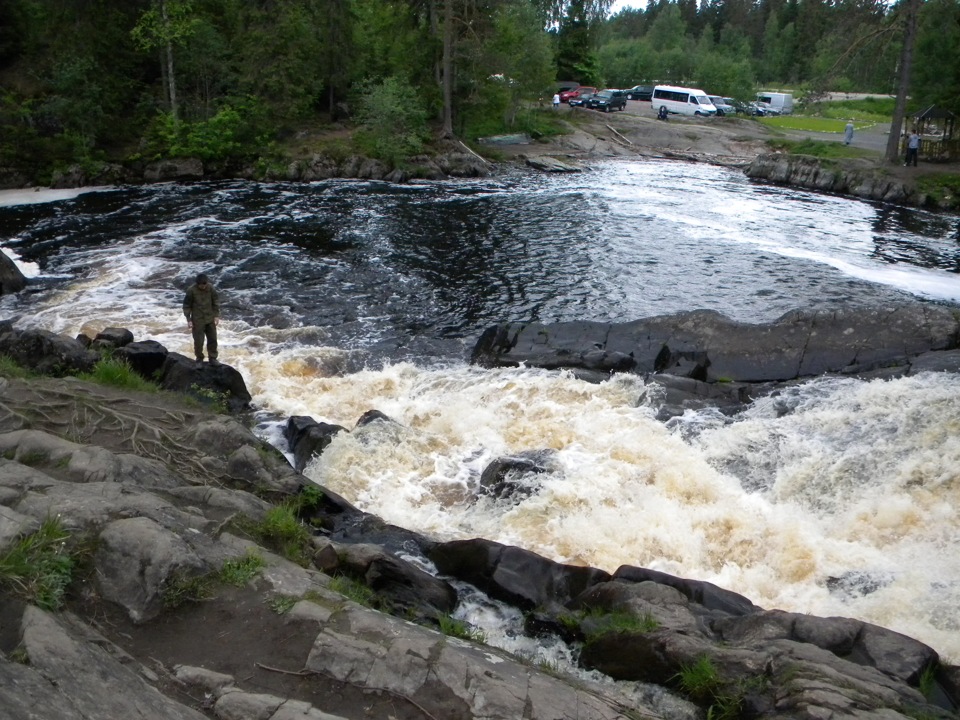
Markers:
(201, 306)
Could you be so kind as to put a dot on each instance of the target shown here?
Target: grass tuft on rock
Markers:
(12, 370)
(242, 570)
(39, 567)
(118, 373)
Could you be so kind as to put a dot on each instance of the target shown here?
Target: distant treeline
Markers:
(228, 80)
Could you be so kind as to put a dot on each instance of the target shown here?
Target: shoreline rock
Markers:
(163, 505)
(851, 178)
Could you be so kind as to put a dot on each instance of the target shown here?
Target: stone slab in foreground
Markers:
(705, 345)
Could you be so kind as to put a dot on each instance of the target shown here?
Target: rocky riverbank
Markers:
(589, 136)
(158, 560)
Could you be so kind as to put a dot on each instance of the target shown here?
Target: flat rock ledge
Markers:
(704, 358)
(185, 598)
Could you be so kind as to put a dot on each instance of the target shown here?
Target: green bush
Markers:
(393, 119)
(236, 132)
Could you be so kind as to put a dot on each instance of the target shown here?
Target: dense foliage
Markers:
(226, 80)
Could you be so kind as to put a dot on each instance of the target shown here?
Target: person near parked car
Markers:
(556, 100)
(201, 306)
(662, 113)
(848, 133)
(913, 148)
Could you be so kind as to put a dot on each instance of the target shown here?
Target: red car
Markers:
(568, 95)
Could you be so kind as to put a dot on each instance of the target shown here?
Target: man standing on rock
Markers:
(201, 306)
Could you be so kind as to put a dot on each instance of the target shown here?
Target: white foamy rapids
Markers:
(32, 196)
(859, 518)
(28, 269)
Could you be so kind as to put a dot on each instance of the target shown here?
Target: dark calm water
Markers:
(422, 269)
(344, 296)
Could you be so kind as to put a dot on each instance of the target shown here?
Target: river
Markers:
(839, 497)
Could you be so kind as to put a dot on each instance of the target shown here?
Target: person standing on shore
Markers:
(848, 133)
(913, 148)
(201, 306)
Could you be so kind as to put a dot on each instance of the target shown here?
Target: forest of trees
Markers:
(87, 80)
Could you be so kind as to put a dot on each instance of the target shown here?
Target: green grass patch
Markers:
(118, 373)
(353, 590)
(941, 187)
(699, 680)
(805, 122)
(39, 567)
(242, 570)
(182, 588)
(819, 149)
(12, 370)
(452, 627)
(864, 110)
(282, 604)
(281, 531)
(604, 623)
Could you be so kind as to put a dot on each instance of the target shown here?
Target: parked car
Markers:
(580, 101)
(608, 100)
(747, 108)
(568, 95)
(640, 92)
(722, 106)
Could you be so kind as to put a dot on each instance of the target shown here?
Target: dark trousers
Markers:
(208, 331)
(912, 156)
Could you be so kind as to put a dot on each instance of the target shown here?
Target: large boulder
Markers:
(707, 346)
(45, 352)
(11, 279)
(146, 357)
(512, 574)
(216, 385)
(308, 438)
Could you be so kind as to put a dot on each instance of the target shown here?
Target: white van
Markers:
(779, 103)
(681, 100)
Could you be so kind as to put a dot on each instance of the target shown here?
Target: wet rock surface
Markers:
(188, 598)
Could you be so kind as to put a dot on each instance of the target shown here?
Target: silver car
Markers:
(723, 107)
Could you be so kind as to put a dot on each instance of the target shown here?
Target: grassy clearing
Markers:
(819, 149)
(118, 373)
(805, 122)
(39, 567)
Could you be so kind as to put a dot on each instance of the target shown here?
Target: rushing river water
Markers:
(342, 296)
